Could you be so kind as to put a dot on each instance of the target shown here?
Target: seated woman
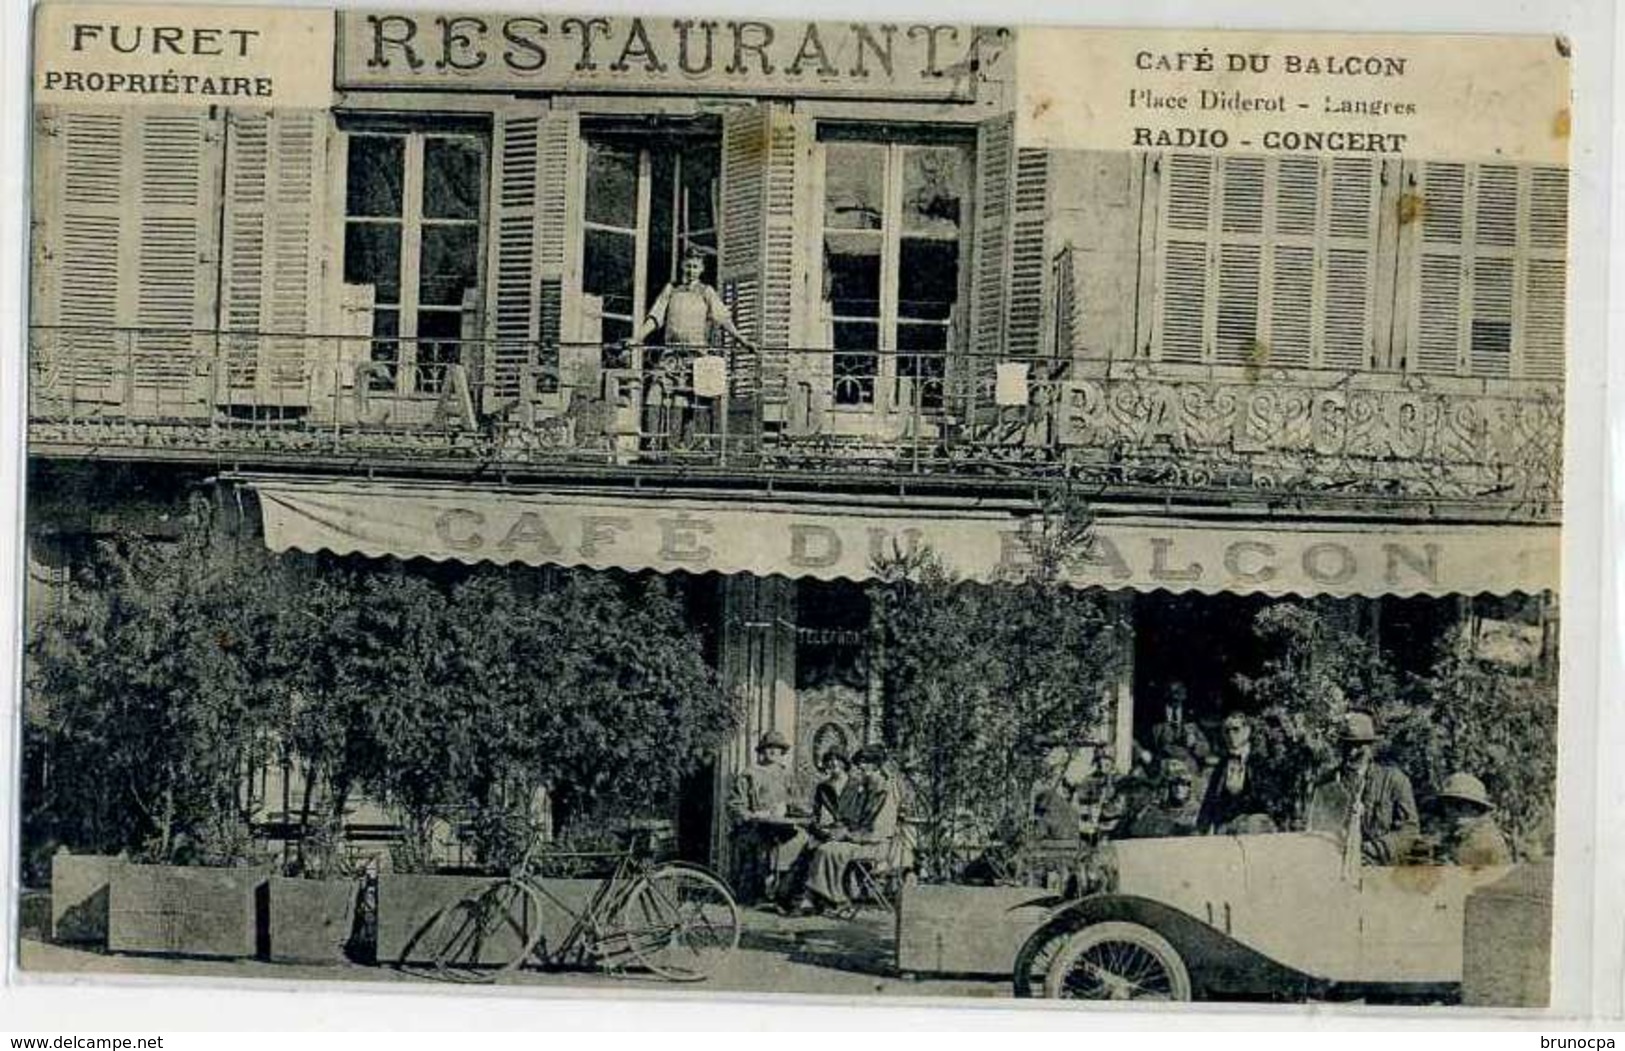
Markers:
(867, 835)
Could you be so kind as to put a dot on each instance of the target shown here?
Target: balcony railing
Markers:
(801, 411)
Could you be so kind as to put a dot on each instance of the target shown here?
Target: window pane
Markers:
(607, 269)
(664, 252)
(927, 337)
(438, 331)
(386, 351)
(699, 188)
(372, 256)
(373, 181)
(852, 274)
(933, 188)
(854, 185)
(855, 373)
(449, 264)
(925, 370)
(612, 185)
(451, 179)
(928, 278)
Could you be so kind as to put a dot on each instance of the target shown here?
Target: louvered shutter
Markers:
(1185, 220)
(1353, 193)
(1439, 327)
(1494, 233)
(766, 156)
(1545, 275)
(1029, 251)
(996, 157)
(1294, 247)
(132, 210)
(533, 216)
(1490, 272)
(83, 159)
(1240, 258)
(271, 278)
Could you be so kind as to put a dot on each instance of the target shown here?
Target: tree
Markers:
(978, 678)
(151, 718)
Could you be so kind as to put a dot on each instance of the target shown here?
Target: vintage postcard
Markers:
(864, 508)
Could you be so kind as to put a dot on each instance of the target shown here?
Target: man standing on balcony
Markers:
(685, 313)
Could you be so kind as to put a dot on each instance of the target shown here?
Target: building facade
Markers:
(409, 324)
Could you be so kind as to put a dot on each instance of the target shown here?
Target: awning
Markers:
(825, 541)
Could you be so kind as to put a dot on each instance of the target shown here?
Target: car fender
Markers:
(1218, 964)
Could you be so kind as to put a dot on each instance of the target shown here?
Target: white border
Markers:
(1589, 968)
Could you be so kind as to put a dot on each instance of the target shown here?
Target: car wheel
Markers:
(1117, 961)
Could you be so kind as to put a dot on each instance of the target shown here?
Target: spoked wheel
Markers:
(680, 922)
(489, 934)
(1117, 961)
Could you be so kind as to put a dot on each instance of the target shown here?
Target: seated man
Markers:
(1237, 799)
(766, 841)
(1366, 804)
(869, 835)
(1469, 835)
(1175, 812)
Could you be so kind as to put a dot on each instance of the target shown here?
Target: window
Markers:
(649, 199)
(893, 268)
(414, 205)
(1489, 269)
(1268, 261)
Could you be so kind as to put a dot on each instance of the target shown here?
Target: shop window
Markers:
(894, 254)
(649, 200)
(414, 204)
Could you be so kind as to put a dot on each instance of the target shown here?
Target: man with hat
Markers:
(1469, 836)
(766, 840)
(1366, 802)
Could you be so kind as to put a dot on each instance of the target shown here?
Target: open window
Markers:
(894, 228)
(650, 197)
(414, 218)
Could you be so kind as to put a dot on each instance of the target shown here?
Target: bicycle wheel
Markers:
(679, 921)
(483, 936)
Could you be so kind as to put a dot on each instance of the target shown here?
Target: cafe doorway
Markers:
(1200, 641)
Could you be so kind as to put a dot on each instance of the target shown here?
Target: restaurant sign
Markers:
(825, 542)
(710, 56)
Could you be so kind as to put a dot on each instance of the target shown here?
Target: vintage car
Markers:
(1284, 916)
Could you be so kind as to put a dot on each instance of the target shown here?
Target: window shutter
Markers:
(271, 278)
(992, 248)
(1491, 271)
(1185, 218)
(535, 159)
(1439, 328)
(1546, 274)
(131, 214)
(1295, 227)
(1241, 228)
(82, 248)
(1029, 249)
(1351, 224)
(765, 160)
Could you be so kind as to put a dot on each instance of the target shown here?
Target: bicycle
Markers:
(673, 919)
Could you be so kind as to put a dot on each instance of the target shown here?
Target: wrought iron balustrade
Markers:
(795, 411)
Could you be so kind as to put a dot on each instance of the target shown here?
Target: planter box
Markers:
(966, 930)
(408, 905)
(183, 911)
(310, 920)
(1507, 940)
(79, 897)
